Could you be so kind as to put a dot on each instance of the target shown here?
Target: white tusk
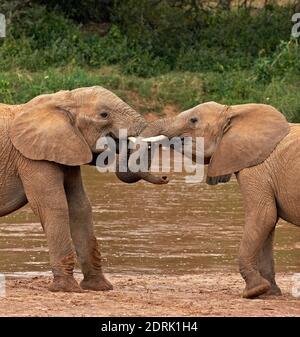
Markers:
(154, 139)
(132, 139)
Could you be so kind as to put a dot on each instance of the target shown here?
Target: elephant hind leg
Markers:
(266, 264)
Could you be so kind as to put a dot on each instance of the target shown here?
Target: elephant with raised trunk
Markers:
(42, 145)
(258, 145)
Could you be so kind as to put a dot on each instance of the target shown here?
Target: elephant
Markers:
(43, 143)
(257, 144)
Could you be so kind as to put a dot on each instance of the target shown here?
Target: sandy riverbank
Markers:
(207, 294)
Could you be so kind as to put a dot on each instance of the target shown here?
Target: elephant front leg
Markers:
(46, 195)
(90, 260)
(85, 242)
(255, 255)
(259, 225)
(55, 220)
(267, 265)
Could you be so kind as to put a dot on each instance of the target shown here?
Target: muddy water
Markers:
(173, 229)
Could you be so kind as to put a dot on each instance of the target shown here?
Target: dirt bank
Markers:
(207, 294)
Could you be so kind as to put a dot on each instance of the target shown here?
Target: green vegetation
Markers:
(152, 53)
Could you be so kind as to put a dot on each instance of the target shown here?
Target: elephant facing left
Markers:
(43, 143)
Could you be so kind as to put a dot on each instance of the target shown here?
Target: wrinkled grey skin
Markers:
(255, 142)
(43, 143)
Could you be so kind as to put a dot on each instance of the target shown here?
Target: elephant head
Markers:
(64, 127)
(235, 137)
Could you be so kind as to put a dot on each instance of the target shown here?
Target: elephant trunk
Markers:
(152, 130)
(158, 127)
(130, 177)
(133, 177)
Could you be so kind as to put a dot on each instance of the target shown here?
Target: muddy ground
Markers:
(207, 294)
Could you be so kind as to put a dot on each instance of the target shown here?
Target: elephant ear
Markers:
(251, 134)
(44, 130)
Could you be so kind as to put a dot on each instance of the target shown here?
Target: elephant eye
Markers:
(104, 114)
(194, 120)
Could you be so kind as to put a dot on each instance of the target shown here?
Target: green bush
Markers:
(38, 39)
(202, 40)
(148, 39)
(154, 53)
(5, 91)
(285, 60)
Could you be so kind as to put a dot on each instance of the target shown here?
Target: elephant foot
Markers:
(96, 283)
(257, 288)
(65, 284)
(274, 291)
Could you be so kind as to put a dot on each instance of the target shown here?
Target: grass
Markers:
(181, 89)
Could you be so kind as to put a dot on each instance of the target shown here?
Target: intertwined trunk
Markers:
(153, 129)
